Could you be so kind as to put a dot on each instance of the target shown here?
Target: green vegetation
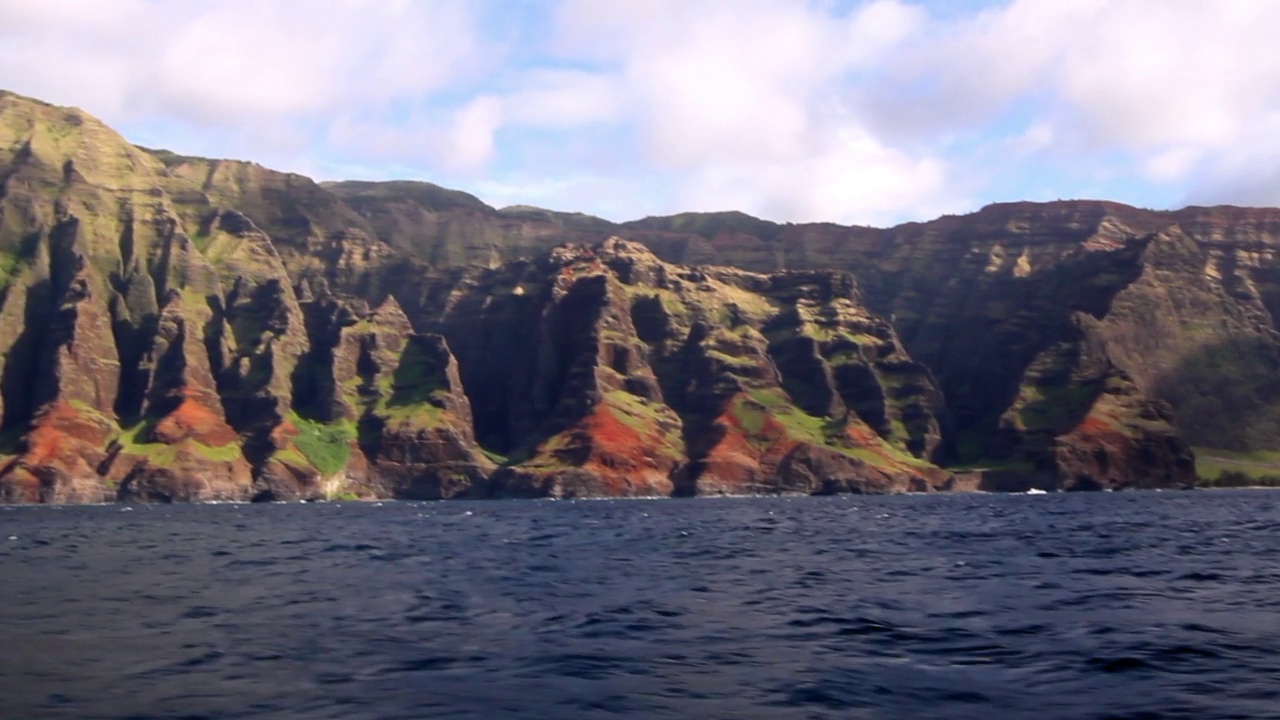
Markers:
(16, 256)
(1239, 479)
(360, 193)
(543, 456)
(828, 333)
(734, 363)
(778, 406)
(1255, 457)
(168, 157)
(418, 377)
(633, 411)
(9, 264)
(1053, 407)
(773, 403)
(709, 224)
(994, 466)
(971, 442)
(672, 305)
(416, 391)
(645, 417)
(291, 456)
(424, 414)
(1225, 468)
(1227, 395)
(846, 357)
(221, 453)
(132, 441)
(324, 445)
(201, 240)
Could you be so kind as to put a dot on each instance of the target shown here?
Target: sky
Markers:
(872, 112)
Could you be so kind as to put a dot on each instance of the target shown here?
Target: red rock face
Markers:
(191, 454)
(600, 456)
(754, 453)
(193, 420)
(1104, 451)
(58, 459)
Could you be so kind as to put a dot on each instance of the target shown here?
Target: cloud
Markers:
(457, 140)
(469, 142)
(1246, 174)
(855, 179)
(873, 111)
(747, 80)
(743, 105)
(269, 80)
(564, 98)
(1170, 84)
(216, 63)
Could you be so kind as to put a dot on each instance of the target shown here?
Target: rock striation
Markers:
(186, 329)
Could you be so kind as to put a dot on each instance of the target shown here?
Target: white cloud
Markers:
(1171, 165)
(743, 105)
(1172, 83)
(242, 68)
(744, 80)
(793, 110)
(1033, 140)
(469, 143)
(461, 140)
(854, 179)
(1246, 174)
(240, 59)
(564, 98)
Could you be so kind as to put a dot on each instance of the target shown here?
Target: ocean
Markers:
(1092, 605)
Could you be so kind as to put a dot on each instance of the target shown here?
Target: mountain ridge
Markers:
(320, 339)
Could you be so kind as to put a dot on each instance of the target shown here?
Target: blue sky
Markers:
(870, 112)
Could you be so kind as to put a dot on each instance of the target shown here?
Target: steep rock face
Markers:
(75, 380)
(559, 381)
(763, 381)
(263, 334)
(1080, 421)
(975, 298)
(1198, 327)
(988, 302)
(183, 448)
(128, 289)
(380, 412)
(636, 377)
(404, 391)
(422, 445)
(1124, 441)
(164, 316)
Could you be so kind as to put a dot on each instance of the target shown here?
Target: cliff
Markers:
(180, 328)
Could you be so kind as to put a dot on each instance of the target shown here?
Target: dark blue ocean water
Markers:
(1139, 605)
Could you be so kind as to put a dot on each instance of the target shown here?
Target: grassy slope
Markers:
(1225, 468)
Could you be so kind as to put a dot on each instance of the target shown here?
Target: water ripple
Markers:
(1139, 605)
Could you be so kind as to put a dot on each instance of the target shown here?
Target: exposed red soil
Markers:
(625, 460)
(1096, 429)
(195, 421)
